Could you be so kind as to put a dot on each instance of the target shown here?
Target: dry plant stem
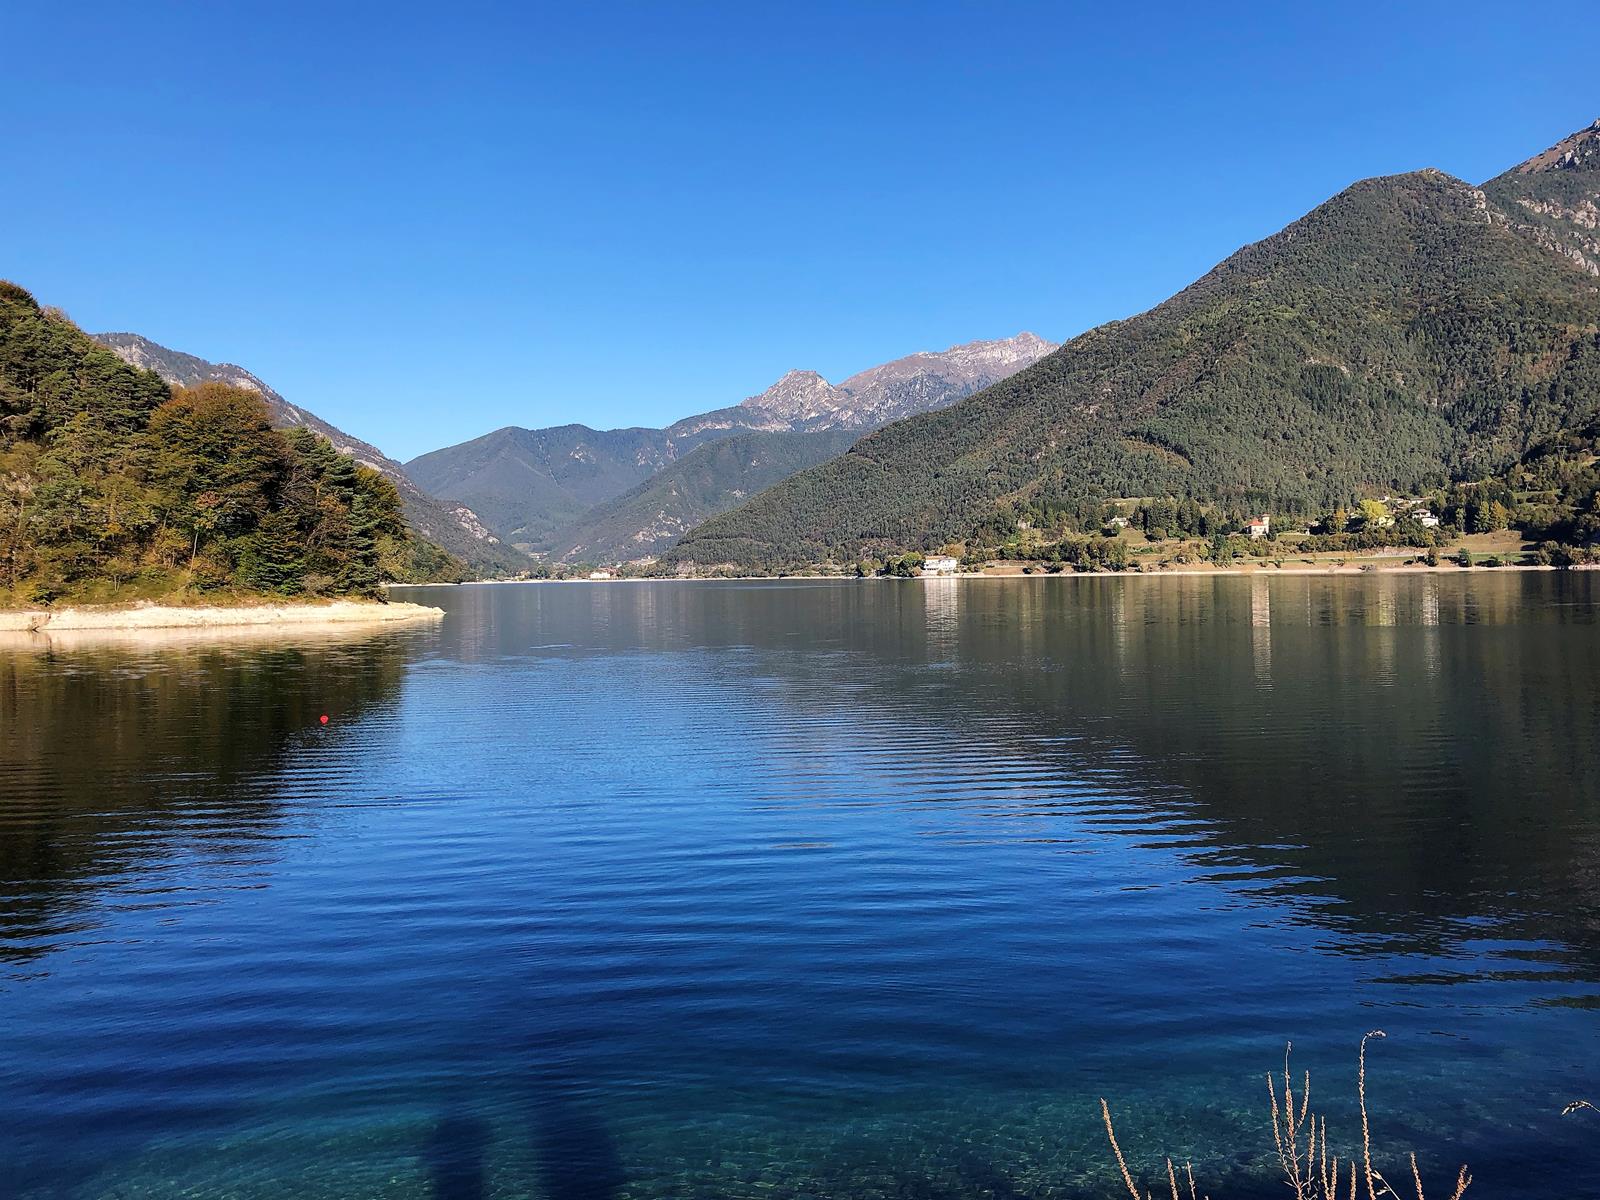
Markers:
(1366, 1129)
(1277, 1127)
(1287, 1123)
(1327, 1170)
(1122, 1165)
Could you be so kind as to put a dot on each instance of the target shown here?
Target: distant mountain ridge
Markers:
(1411, 331)
(540, 486)
(916, 383)
(449, 524)
(710, 479)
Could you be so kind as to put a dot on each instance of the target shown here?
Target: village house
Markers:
(1418, 511)
(1258, 527)
(940, 564)
(599, 574)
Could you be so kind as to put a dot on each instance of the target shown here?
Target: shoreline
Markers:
(205, 617)
(1351, 570)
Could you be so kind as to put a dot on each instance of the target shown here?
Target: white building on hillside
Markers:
(940, 564)
(1258, 527)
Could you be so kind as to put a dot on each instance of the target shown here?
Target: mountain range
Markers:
(450, 525)
(578, 493)
(1412, 331)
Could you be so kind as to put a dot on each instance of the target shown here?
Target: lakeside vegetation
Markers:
(115, 487)
(1544, 513)
(1551, 501)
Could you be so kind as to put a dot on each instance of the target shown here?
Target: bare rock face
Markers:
(799, 398)
(916, 383)
(926, 381)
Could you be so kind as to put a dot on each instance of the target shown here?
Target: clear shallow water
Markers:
(826, 890)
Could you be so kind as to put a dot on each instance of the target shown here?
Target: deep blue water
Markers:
(856, 889)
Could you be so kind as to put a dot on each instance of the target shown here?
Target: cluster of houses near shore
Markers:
(1394, 508)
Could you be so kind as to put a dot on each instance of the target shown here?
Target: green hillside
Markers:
(530, 483)
(1407, 333)
(113, 486)
(708, 480)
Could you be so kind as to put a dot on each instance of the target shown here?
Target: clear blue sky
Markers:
(427, 221)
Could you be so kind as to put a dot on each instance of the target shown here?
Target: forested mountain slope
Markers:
(114, 485)
(530, 483)
(708, 480)
(452, 525)
(1407, 332)
(539, 485)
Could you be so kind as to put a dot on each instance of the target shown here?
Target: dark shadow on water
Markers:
(577, 1158)
(454, 1157)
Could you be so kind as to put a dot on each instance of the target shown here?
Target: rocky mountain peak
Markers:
(916, 383)
(798, 396)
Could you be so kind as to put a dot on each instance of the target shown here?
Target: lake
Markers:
(807, 889)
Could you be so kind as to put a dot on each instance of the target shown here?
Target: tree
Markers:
(217, 459)
(271, 558)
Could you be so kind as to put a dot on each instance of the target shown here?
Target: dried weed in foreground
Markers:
(1301, 1138)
